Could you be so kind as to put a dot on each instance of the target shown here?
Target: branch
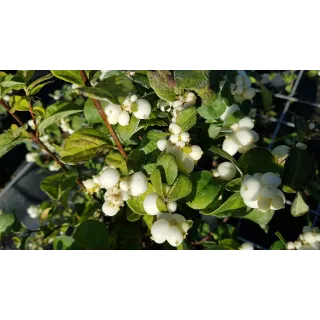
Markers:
(104, 116)
(40, 143)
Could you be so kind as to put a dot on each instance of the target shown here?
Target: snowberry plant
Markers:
(144, 158)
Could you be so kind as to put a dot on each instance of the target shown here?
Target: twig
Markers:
(40, 143)
(206, 238)
(103, 116)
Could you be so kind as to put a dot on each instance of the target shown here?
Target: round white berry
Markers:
(306, 229)
(174, 128)
(113, 119)
(174, 236)
(227, 171)
(249, 93)
(250, 189)
(229, 110)
(184, 136)
(110, 209)
(125, 195)
(297, 244)
(246, 123)
(174, 138)
(133, 98)
(172, 206)
(191, 97)
(89, 183)
(138, 184)
(301, 146)
(124, 118)
(230, 145)
(144, 109)
(318, 237)
(264, 204)
(311, 126)
(159, 230)
(271, 179)
(180, 144)
(247, 246)
(309, 237)
(150, 204)
(277, 202)
(244, 136)
(112, 110)
(124, 185)
(290, 246)
(196, 152)
(184, 161)
(184, 226)
(162, 144)
(108, 178)
(177, 104)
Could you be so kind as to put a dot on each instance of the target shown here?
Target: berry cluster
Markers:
(34, 211)
(309, 239)
(178, 145)
(118, 190)
(140, 108)
(241, 89)
(260, 191)
(242, 137)
(170, 227)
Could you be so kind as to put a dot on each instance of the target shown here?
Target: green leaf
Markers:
(149, 142)
(67, 110)
(168, 166)
(120, 87)
(205, 189)
(258, 160)
(25, 74)
(187, 118)
(259, 217)
(91, 113)
(213, 111)
(58, 185)
(6, 221)
(180, 189)
(132, 216)
(37, 88)
(161, 205)
(266, 96)
(156, 181)
(302, 127)
(95, 93)
(281, 238)
(141, 78)
(150, 167)
(62, 242)
(163, 84)
(92, 235)
(18, 103)
(125, 133)
(214, 131)
(136, 203)
(11, 82)
(298, 169)
(232, 207)
(35, 83)
(234, 185)
(12, 138)
(84, 145)
(278, 245)
(39, 111)
(115, 160)
(72, 76)
(299, 207)
(227, 156)
(189, 79)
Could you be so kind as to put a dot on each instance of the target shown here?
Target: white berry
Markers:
(227, 171)
(174, 128)
(138, 184)
(150, 204)
(144, 109)
(159, 230)
(196, 152)
(124, 118)
(109, 177)
(162, 144)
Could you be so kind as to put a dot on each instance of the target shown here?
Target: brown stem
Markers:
(103, 116)
(40, 143)
(34, 119)
(203, 240)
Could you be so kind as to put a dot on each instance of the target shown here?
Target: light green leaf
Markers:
(188, 79)
(136, 203)
(234, 185)
(278, 245)
(180, 189)
(125, 133)
(91, 113)
(12, 138)
(92, 235)
(58, 185)
(25, 74)
(168, 166)
(227, 156)
(299, 207)
(258, 160)
(72, 76)
(163, 84)
(149, 142)
(259, 217)
(84, 145)
(161, 205)
(62, 242)
(18, 103)
(205, 189)
(115, 160)
(6, 221)
(156, 181)
(213, 111)
(187, 118)
(66, 110)
(95, 93)
(214, 131)
(35, 83)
